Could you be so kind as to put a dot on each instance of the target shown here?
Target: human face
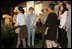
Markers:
(16, 10)
(31, 11)
(67, 5)
(45, 12)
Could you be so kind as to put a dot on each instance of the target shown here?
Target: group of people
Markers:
(26, 25)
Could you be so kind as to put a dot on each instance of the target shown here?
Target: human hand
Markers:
(34, 26)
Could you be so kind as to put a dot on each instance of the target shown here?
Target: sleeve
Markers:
(48, 21)
(27, 20)
(51, 21)
(68, 22)
(63, 19)
(17, 20)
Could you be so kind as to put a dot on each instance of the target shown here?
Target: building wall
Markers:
(45, 4)
(33, 4)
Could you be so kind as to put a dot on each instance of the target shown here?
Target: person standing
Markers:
(14, 18)
(45, 14)
(62, 33)
(68, 23)
(31, 24)
(51, 27)
(21, 23)
(62, 15)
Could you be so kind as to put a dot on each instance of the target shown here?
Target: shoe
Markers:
(32, 45)
(28, 46)
(57, 47)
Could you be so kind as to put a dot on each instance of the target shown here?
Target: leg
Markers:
(24, 43)
(69, 44)
(54, 44)
(48, 44)
(69, 39)
(33, 36)
(18, 42)
(29, 34)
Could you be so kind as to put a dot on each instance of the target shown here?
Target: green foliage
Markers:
(7, 31)
(40, 28)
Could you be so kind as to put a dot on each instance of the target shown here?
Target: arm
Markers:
(27, 20)
(17, 20)
(47, 25)
(35, 21)
(14, 19)
(46, 30)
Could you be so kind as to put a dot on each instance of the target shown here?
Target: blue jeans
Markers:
(69, 36)
(31, 33)
(69, 39)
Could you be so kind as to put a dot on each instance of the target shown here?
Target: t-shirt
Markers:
(52, 20)
(52, 23)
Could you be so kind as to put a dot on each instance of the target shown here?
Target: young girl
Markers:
(21, 23)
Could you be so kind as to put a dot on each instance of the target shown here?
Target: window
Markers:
(38, 8)
(29, 4)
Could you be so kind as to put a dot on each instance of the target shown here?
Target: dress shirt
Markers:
(31, 20)
(21, 19)
(63, 19)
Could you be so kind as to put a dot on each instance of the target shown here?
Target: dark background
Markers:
(7, 4)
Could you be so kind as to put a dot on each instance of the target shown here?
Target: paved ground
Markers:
(37, 45)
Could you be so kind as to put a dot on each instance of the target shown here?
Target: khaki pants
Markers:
(50, 44)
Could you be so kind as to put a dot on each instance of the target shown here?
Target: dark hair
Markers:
(44, 9)
(14, 13)
(69, 2)
(51, 6)
(20, 8)
(60, 1)
(64, 7)
(31, 8)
